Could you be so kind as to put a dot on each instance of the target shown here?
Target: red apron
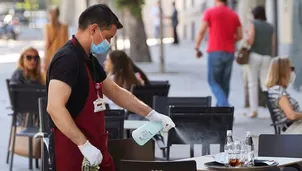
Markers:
(67, 154)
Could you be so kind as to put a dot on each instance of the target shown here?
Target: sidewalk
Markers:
(187, 76)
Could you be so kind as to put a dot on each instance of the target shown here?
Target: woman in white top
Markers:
(281, 74)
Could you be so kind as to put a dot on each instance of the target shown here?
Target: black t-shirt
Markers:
(68, 66)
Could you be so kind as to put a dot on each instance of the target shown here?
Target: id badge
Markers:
(99, 105)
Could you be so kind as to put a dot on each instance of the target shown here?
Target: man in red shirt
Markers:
(224, 31)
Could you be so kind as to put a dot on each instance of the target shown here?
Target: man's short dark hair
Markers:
(99, 14)
(259, 13)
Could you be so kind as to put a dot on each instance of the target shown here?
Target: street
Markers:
(186, 74)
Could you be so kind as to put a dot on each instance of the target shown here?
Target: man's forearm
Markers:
(199, 39)
(127, 100)
(66, 125)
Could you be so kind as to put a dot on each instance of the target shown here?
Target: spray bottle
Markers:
(144, 133)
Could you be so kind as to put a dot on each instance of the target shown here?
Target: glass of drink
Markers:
(234, 154)
(243, 154)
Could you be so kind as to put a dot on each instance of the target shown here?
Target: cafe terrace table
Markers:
(200, 161)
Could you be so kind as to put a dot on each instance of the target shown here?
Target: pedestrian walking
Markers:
(55, 36)
(224, 31)
(261, 39)
(155, 13)
(174, 21)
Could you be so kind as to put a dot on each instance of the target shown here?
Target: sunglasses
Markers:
(29, 57)
(292, 68)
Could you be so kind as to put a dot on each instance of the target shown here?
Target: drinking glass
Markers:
(234, 154)
(243, 154)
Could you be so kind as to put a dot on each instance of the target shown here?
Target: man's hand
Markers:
(166, 121)
(198, 53)
(91, 153)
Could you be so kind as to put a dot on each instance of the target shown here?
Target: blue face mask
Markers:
(101, 48)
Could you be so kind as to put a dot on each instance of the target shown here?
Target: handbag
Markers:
(22, 146)
(242, 57)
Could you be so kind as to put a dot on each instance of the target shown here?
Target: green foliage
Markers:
(27, 5)
(56, 2)
(134, 6)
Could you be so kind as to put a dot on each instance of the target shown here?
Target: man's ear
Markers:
(92, 28)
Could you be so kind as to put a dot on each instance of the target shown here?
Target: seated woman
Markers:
(29, 68)
(281, 74)
(119, 68)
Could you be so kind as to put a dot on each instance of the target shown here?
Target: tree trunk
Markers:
(139, 50)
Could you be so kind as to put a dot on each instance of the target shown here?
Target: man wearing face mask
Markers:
(76, 83)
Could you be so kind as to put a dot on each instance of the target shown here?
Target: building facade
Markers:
(279, 13)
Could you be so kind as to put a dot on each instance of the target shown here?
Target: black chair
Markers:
(11, 128)
(287, 145)
(161, 104)
(128, 149)
(278, 126)
(128, 165)
(200, 125)
(44, 133)
(146, 93)
(158, 82)
(25, 100)
(115, 123)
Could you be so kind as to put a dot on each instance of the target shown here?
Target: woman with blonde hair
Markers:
(286, 109)
(29, 68)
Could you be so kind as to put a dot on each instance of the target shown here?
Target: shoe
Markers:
(254, 115)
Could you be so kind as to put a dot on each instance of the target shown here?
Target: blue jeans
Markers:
(219, 75)
(156, 32)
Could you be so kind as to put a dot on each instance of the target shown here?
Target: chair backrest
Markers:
(146, 93)
(115, 123)
(25, 97)
(43, 115)
(161, 104)
(128, 165)
(9, 93)
(128, 149)
(158, 82)
(287, 145)
(271, 111)
(200, 125)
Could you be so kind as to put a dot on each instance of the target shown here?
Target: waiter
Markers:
(76, 84)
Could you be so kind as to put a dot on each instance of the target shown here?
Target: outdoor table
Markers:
(283, 161)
